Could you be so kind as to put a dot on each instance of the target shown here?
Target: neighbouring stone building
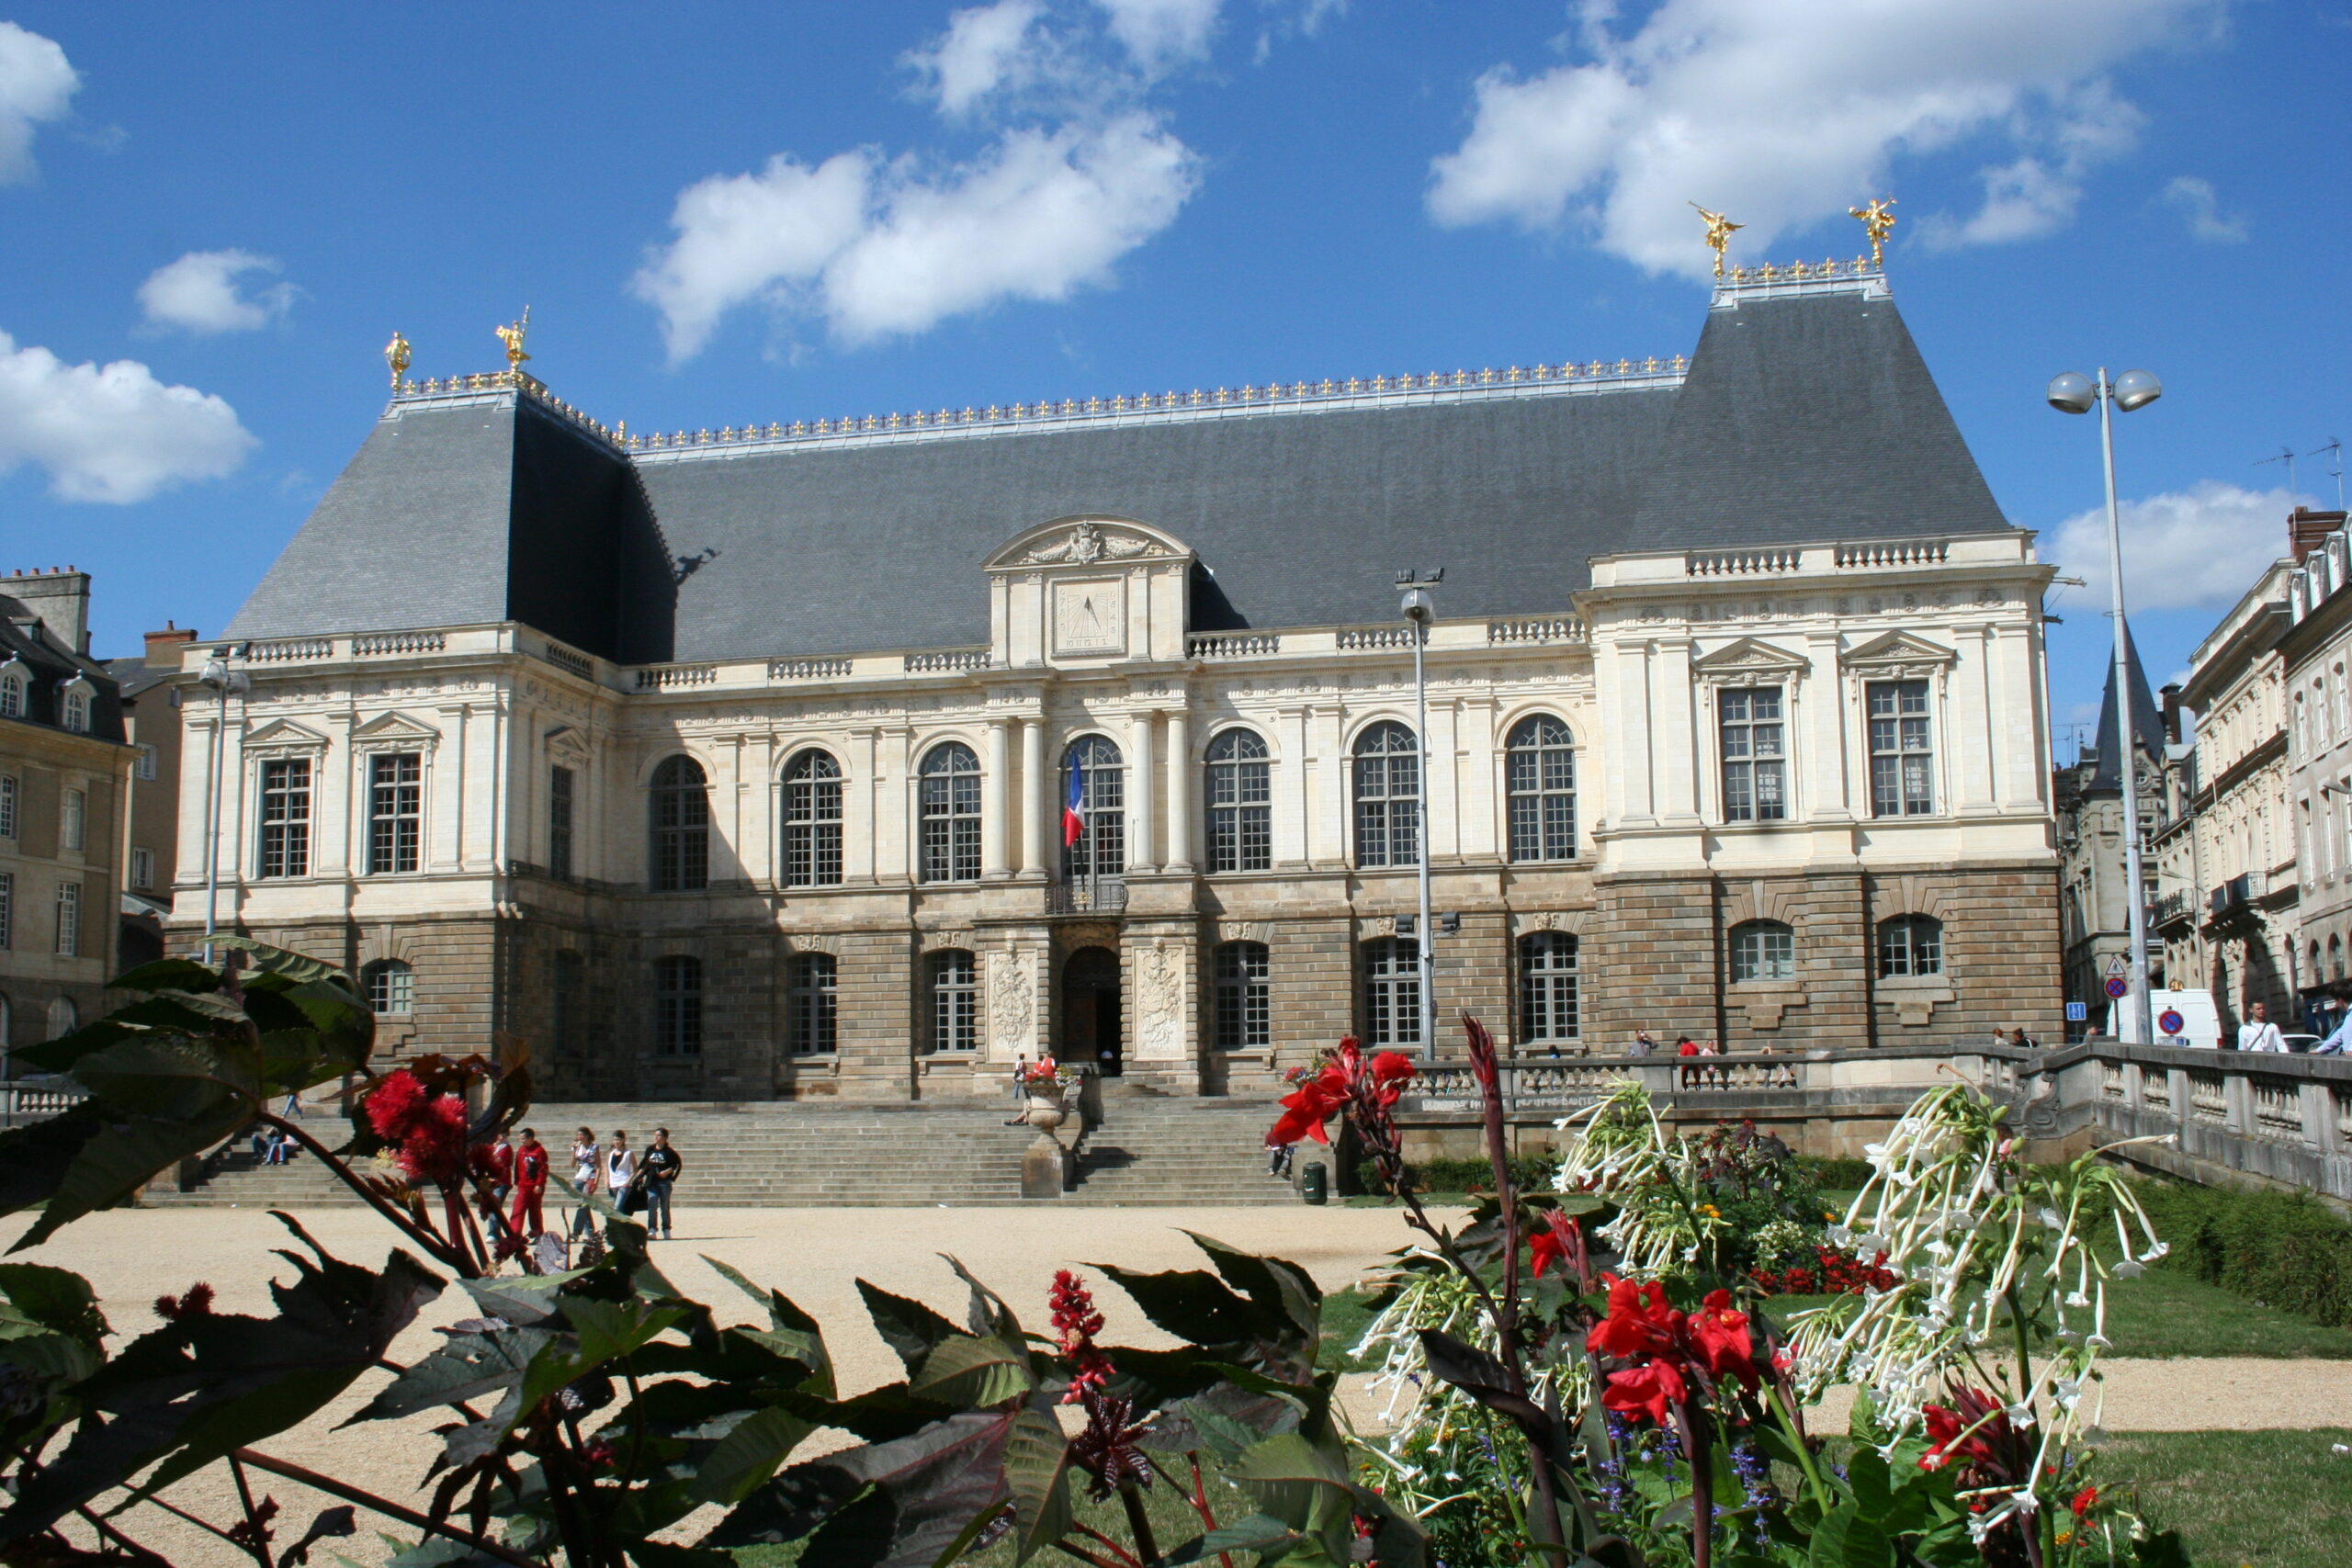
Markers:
(862, 758)
(150, 724)
(64, 772)
(2314, 649)
(2095, 910)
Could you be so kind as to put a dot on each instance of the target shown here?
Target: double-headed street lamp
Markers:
(222, 679)
(2075, 393)
(1421, 614)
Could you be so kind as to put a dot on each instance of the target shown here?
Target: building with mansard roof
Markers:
(867, 757)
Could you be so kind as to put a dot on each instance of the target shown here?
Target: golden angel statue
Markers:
(1878, 223)
(396, 355)
(1719, 232)
(511, 336)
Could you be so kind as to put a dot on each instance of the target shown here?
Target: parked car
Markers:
(2301, 1043)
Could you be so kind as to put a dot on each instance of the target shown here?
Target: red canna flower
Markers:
(1720, 1336)
(1558, 1242)
(1391, 1071)
(1967, 1414)
(1639, 1322)
(1365, 1092)
(2084, 1500)
(1645, 1389)
(1669, 1351)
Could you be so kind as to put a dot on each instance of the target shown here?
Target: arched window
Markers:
(73, 709)
(1094, 795)
(12, 693)
(1763, 950)
(2336, 957)
(64, 1018)
(390, 985)
(1388, 797)
(812, 821)
(677, 1005)
(954, 1001)
(1910, 944)
(565, 1030)
(681, 827)
(808, 1021)
(951, 814)
(1541, 762)
(1392, 992)
(1547, 988)
(1244, 1007)
(1240, 797)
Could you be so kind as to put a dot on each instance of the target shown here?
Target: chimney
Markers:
(2306, 530)
(164, 646)
(60, 599)
(2171, 694)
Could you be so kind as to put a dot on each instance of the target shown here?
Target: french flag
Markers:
(1074, 824)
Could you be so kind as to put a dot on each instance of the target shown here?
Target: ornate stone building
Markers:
(862, 758)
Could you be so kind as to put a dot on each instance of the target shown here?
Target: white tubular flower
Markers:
(2155, 1251)
(2128, 1269)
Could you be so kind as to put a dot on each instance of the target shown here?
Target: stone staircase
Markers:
(1146, 1149)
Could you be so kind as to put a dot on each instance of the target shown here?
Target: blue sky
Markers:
(722, 213)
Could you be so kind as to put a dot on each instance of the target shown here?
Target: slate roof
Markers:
(2147, 724)
(1807, 418)
(22, 636)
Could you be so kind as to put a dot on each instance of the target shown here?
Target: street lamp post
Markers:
(1420, 612)
(222, 680)
(2076, 393)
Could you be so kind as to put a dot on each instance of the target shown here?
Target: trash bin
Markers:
(1314, 1183)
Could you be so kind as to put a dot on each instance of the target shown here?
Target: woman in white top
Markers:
(620, 1167)
(587, 1161)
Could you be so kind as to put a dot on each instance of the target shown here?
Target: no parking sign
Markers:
(2170, 1022)
(2118, 987)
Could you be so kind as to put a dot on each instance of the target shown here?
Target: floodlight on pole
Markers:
(222, 679)
(2076, 393)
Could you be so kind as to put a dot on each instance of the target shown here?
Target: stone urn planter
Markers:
(1045, 1114)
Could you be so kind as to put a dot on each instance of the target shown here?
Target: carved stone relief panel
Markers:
(1013, 1004)
(1089, 617)
(1159, 987)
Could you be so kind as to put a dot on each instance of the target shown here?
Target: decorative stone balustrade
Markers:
(1233, 645)
(1361, 638)
(2221, 1114)
(563, 658)
(1557, 628)
(1743, 563)
(1919, 552)
(670, 677)
(290, 650)
(399, 642)
(953, 659)
(809, 669)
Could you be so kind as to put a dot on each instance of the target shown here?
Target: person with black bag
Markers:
(620, 1174)
(659, 1171)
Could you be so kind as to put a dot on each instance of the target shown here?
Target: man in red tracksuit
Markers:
(530, 1185)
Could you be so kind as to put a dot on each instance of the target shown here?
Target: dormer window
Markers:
(73, 707)
(13, 686)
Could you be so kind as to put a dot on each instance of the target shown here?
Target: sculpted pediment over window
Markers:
(285, 735)
(1089, 588)
(1897, 656)
(1747, 661)
(395, 729)
(1088, 542)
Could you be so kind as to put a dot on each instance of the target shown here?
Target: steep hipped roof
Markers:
(2147, 725)
(1801, 418)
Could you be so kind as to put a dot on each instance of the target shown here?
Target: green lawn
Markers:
(2266, 1499)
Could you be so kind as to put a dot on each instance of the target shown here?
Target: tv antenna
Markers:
(2286, 455)
(2334, 449)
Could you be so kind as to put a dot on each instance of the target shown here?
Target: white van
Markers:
(2200, 1022)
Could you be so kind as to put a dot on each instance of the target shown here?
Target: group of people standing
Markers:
(635, 1181)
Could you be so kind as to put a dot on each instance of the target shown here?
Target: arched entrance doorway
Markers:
(1090, 1010)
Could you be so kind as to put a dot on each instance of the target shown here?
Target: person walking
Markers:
(587, 1165)
(661, 1168)
(2259, 1033)
(620, 1172)
(530, 1186)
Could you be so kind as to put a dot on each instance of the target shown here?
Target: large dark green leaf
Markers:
(912, 1497)
(469, 1367)
(1193, 1305)
(973, 1373)
(173, 1078)
(1295, 1480)
(1276, 1285)
(57, 1300)
(1486, 1380)
(790, 1331)
(749, 1455)
(908, 1327)
(1260, 1533)
(1037, 1471)
(167, 974)
(107, 1167)
(1846, 1539)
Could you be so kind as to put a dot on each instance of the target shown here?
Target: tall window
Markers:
(76, 710)
(1392, 991)
(395, 811)
(1240, 796)
(565, 1030)
(677, 1005)
(1542, 772)
(7, 913)
(954, 1001)
(950, 802)
(12, 694)
(286, 817)
(69, 920)
(1244, 1005)
(1547, 988)
(1755, 754)
(1388, 797)
(1910, 944)
(142, 866)
(7, 806)
(390, 985)
(146, 759)
(64, 1018)
(1902, 757)
(812, 821)
(560, 798)
(680, 827)
(75, 819)
(1763, 950)
(1095, 786)
(809, 1020)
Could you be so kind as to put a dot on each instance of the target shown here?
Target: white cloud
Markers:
(2197, 549)
(199, 293)
(876, 249)
(1159, 34)
(110, 432)
(2200, 208)
(36, 84)
(1783, 115)
(987, 51)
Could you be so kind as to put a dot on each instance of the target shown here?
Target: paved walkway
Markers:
(816, 1256)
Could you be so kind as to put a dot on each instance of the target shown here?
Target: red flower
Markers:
(1076, 1322)
(1645, 1389)
(1306, 1111)
(1639, 1322)
(1391, 1070)
(1553, 1243)
(427, 1131)
(1968, 1412)
(196, 1303)
(1343, 1080)
(2084, 1501)
(1720, 1336)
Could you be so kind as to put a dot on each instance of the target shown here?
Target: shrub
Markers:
(2283, 1249)
(1835, 1175)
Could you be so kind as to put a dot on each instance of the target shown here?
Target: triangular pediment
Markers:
(394, 726)
(567, 741)
(283, 733)
(1898, 647)
(1749, 656)
(1089, 541)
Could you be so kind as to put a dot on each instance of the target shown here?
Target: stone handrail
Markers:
(38, 1099)
(1535, 1085)
(2286, 1119)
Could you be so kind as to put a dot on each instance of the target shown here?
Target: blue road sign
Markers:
(2078, 1013)
(2171, 1022)
(2118, 987)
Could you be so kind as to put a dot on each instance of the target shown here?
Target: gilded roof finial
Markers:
(511, 336)
(1878, 222)
(1719, 232)
(396, 355)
